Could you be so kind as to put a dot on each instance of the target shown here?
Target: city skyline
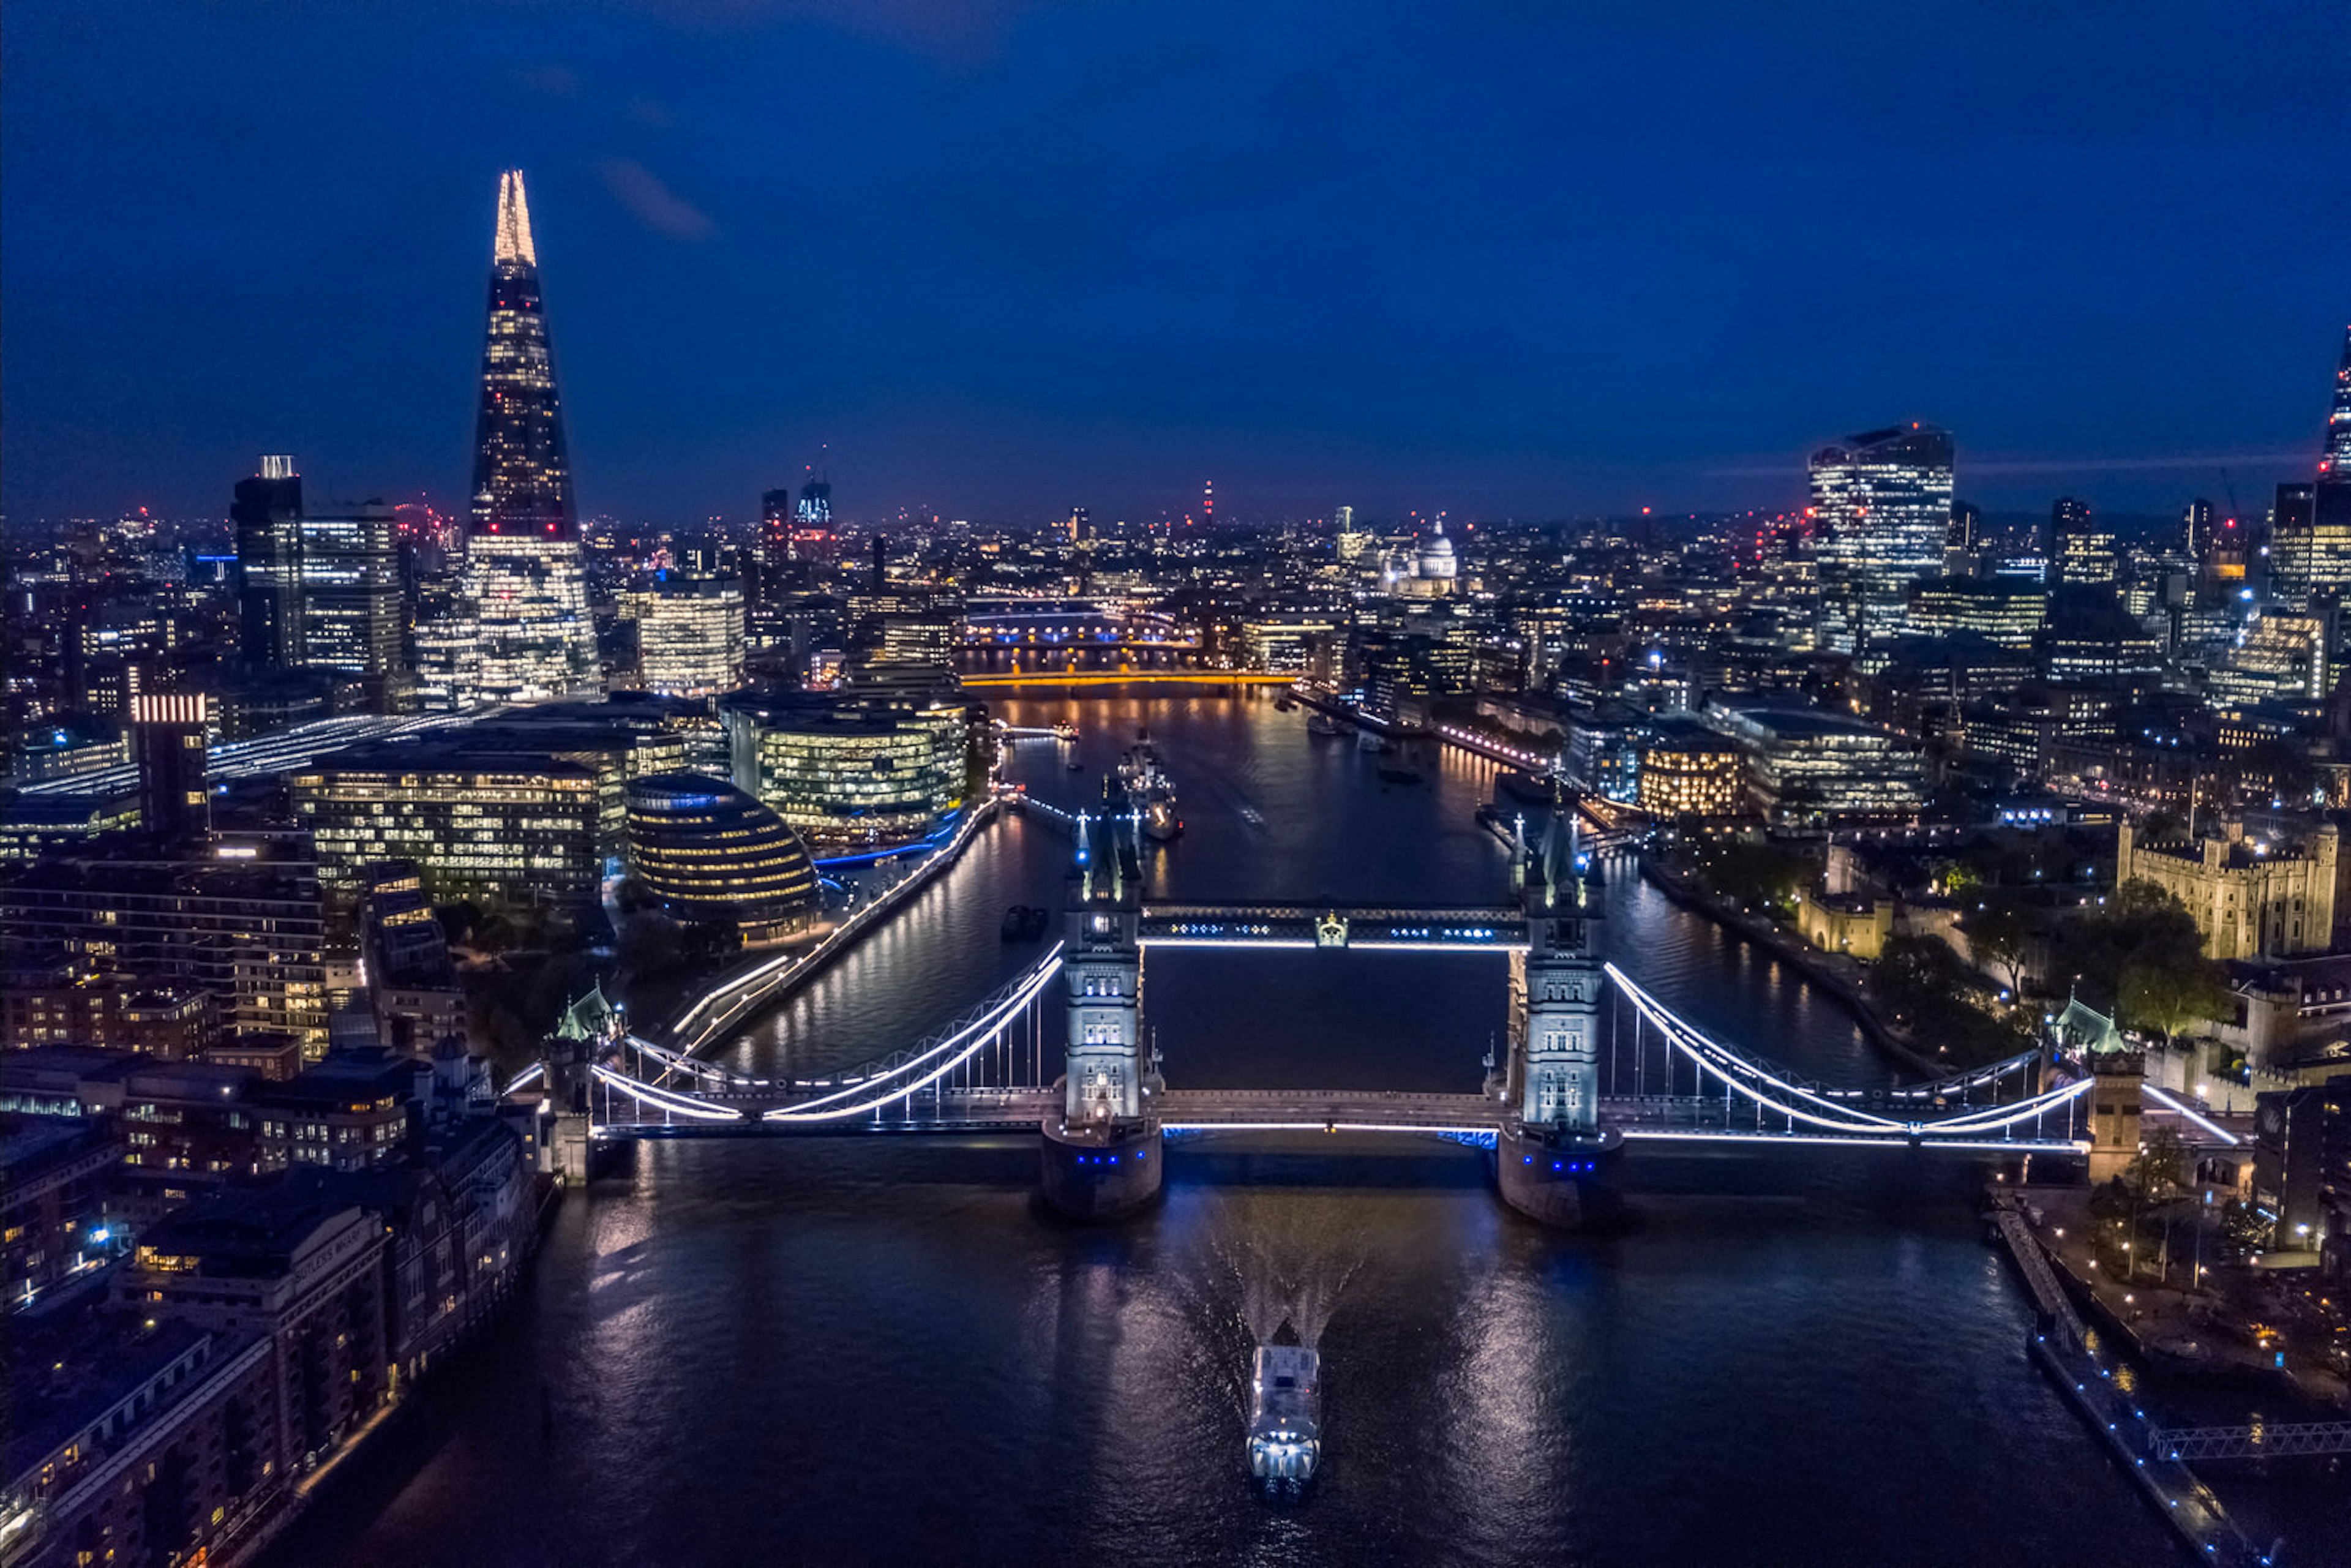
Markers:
(1495, 306)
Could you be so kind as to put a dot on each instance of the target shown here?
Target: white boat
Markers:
(1285, 1435)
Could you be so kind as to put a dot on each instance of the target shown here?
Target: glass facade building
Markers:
(526, 582)
(351, 591)
(529, 809)
(712, 853)
(1882, 506)
(690, 636)
(850, 775)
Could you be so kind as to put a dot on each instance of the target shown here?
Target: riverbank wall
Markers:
(1793, 952)
(733, 999)
(2076, 1360)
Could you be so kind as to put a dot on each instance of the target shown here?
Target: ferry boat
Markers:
(1321, 722)
(1285, 1435)
(1065, 731)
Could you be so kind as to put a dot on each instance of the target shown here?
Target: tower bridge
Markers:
(1594, 1062)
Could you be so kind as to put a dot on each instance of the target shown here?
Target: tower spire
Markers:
(514, 247)
(2336, 463)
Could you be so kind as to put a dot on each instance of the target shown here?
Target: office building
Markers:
(1688, 769)
(1812, 768)
(2081, 551)
(711, 853)
(527, 808)
(2001, 610)
(1882, 509)
(169, 732)
(690, 635)
(848, 773)
(2278, 658)
(2196, 528)
(526, 577)
(268, 517)
(350, 609)
(2310, 544)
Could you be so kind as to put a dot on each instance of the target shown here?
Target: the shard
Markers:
(2336, 464)
(533, 636)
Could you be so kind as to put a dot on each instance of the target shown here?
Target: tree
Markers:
(1999, 935)
(1918, 976)
(2140, 925)
(2159, 1168)
(2167, 998)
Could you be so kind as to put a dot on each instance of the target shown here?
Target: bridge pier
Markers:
(1567, 1181)
(1090, 1175)
(1100, 1154)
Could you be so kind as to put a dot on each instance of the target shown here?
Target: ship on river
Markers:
(1150, 794)
(1285, 1435)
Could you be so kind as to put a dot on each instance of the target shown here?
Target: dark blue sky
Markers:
(1003, 258)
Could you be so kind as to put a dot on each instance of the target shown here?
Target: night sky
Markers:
(1560, 259)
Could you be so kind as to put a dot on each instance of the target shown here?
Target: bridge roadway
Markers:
(1469, 927)
(940, 1109)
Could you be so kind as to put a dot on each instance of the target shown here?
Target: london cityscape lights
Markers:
(521, 999)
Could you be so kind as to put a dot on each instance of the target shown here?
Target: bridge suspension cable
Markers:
(1742, 1076)
(889, 1079)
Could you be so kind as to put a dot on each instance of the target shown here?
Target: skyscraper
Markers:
(2310, 532)
(1882, 502)
(267, 515)
(2080, 552)
(2198, 522)
(349, 575)
(2336, 464)
(525, 574)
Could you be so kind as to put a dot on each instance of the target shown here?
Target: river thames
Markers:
(846, 1350)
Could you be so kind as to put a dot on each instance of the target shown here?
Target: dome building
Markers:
(1434, 570)
(712, 853)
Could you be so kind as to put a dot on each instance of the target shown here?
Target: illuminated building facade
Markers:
(2081, 550)
(525, 576)
(690, 636)
(168, 732)
(2001, 610)
(268, 517)
(850, 775)
(2310, 543)
(529, 809)
(1690, 771)
(349, 575)
(1882, 509)
(244, 922)
(2336, 463)
(2249, 899)
(1810, 768)
(2278, 657)
(712, 853)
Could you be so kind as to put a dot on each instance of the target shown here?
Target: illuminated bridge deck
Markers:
(1663, 1119)
(1466, 928)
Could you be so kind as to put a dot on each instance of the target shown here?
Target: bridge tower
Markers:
(1552, 1157)
(2116, 1104)
(1101, 1148)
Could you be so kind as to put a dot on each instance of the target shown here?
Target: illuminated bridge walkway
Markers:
(1665, 1081)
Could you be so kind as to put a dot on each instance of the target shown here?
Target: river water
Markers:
(879, 1351)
